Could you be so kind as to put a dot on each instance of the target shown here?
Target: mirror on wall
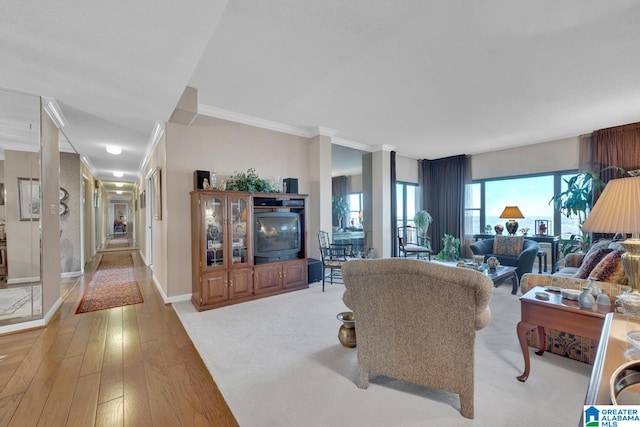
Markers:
(70, 208)
(348, 208)
(20, 258)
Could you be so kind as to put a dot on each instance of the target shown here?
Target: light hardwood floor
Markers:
(126, 366)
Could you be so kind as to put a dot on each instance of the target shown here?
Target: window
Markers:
(406, 203)
(355, 210)
(532, 194)
(474, 209)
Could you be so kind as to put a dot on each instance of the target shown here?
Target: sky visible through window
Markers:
(530, 194)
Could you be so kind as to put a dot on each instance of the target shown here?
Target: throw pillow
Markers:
(590, 261)
(609, 269)
(596, 246)
(508, 245)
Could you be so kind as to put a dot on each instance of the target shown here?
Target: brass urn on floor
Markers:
(347, 332)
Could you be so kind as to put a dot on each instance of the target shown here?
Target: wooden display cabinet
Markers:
(223, 270)
(221, 254)
(280, 275)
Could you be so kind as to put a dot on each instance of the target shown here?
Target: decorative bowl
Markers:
(572, 294)
(634, 338)
(625, 384)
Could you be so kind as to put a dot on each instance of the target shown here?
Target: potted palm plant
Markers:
(577, 200)
(340, 209)
(422, 219)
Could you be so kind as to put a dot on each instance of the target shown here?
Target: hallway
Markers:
(126, 366)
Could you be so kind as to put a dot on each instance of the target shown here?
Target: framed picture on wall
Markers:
(28, 199)
(156, 183)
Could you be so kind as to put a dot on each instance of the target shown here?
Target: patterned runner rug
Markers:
(118, 242)
(113, 284)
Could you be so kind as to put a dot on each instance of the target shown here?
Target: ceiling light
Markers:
(118, 192)
(118, 174)
(112, 149)
(119, 184)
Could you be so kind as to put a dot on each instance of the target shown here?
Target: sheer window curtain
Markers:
(443, 183)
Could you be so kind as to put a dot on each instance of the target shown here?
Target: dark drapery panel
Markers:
(617, 146)
(394, 206)
(585, 149)
(339, 187)
(443, 193)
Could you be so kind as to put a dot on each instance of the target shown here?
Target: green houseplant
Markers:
(340, 209)
(248, 181)
(577, 200)
(450, 248)
(422, 219)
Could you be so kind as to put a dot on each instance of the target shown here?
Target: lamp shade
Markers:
(617, 210)
(511, 212)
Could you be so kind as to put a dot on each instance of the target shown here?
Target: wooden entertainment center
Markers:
(224, 252)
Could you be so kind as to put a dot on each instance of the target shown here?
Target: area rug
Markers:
(118, 242)
(278, 362)
(113, 284)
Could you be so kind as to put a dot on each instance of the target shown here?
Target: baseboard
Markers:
(71, 274)
(23, 280)
(165, 298)
(22, 326)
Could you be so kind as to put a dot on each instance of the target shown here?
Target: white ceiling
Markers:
(427, 78)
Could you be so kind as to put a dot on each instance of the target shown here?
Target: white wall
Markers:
(225, 147)
(406, 169)
(548, 156)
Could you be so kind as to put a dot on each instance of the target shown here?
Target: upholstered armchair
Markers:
(522, 257)
(416, 321)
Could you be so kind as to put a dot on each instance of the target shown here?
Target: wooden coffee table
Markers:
(502, 274)
(556, 313)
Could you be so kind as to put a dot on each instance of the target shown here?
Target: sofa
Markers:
(416, 321)
(515, 251)
(601, 263)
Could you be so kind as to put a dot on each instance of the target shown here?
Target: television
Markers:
(276, 236)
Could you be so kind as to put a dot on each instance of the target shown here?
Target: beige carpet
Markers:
(278, 362)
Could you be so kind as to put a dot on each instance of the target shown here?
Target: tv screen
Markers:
(277, 236)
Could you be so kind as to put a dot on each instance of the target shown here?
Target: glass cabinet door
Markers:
(238, 228)
(214, 239)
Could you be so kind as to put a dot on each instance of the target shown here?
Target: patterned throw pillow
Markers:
(596, 246)
(508, 245)
(590, 261)
(609, 269)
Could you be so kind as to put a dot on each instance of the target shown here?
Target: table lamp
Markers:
(618, 211)
(511, 212)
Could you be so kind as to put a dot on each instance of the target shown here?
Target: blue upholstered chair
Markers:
(523, 261)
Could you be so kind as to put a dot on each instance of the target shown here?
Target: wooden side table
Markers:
(556, 313)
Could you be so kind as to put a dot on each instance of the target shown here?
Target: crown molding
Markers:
(156, 134)
(325, 131)
(352, 144)
(89, 165)
(54, 111)
(383, 147)
(246, 119)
